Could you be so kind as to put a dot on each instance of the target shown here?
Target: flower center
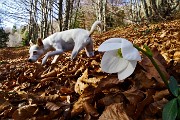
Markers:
(119, 53)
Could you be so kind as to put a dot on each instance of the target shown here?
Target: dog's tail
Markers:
(96, 23)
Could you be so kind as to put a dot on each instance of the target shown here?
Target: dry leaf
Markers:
(151, 72)
(48, 98)
(144, 82)
(80, 85)
(110, 99)
(65, 90)
(4, 106)
(90, 109)
(48, 79)
(52, 106)
(53, 73)
(114, 112)
(176, 56)
(155, 107)
(163, 34)
(134, 95)
(25, 112)
(161, 94)
(141, 105)
(86, 96)
(107, 83)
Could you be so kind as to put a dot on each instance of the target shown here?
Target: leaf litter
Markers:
(80, 90)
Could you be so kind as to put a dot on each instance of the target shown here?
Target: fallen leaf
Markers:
(86, 96)
(163, 34)
(53, 73)
(134, 95)
(49, 97)
(161, 94)
(90, 109)
(151, 72)
(155, 107)
(52, 106)
(25, 112)
(65, 90)
(110, 99)
(141, 105)
(80, 85)
(4, 106)
(115, 111)
(106, 83)
(143, 81)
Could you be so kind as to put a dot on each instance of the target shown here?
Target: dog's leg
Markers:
(76, 50)
(56, 57)
(49, 54)
(89, 49)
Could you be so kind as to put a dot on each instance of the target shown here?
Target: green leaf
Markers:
(173, 86)
(170, 110)
(178, 114)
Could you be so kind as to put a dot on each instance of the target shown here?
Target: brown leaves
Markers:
(114, 112)
(90, 109)
(80, 86)
(25, 112)
(134, 96)
(150, 70)
(78, 89)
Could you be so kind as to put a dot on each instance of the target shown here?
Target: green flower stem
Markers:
(155, 65)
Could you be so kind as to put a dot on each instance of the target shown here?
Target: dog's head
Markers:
(36, 50)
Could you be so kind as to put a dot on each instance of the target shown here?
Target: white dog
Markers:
(59, 42)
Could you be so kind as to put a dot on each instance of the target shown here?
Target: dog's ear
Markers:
(31, 43)
(39, 42)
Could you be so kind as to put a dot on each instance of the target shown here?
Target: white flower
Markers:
(120, 57)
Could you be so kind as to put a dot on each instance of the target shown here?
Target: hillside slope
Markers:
(80, 90)
(164, 36)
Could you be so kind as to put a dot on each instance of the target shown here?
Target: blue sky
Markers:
(8, 22)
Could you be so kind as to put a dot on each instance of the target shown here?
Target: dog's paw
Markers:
(90, 54)
(53, 62)
(73, 55)
(43, 60)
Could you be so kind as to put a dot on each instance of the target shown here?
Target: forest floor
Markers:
(80, 90)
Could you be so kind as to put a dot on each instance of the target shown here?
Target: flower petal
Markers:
(129, 52)
(128, 71)
(114, 40)
(110, 44)
(112, 63)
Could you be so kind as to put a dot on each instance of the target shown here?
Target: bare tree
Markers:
(100, 8)
(68, 12)
(60, 18)
(76, 13)
(155, 10)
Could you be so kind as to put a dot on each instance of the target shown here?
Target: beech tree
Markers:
(152, 10)
(100, 10)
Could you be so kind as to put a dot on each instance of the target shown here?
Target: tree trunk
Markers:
(67, 14)
(76, 13)
(60, 14)
(145, 8)
(100, 8)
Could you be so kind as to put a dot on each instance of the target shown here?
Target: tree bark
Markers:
(60, 18)
(67, 14)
